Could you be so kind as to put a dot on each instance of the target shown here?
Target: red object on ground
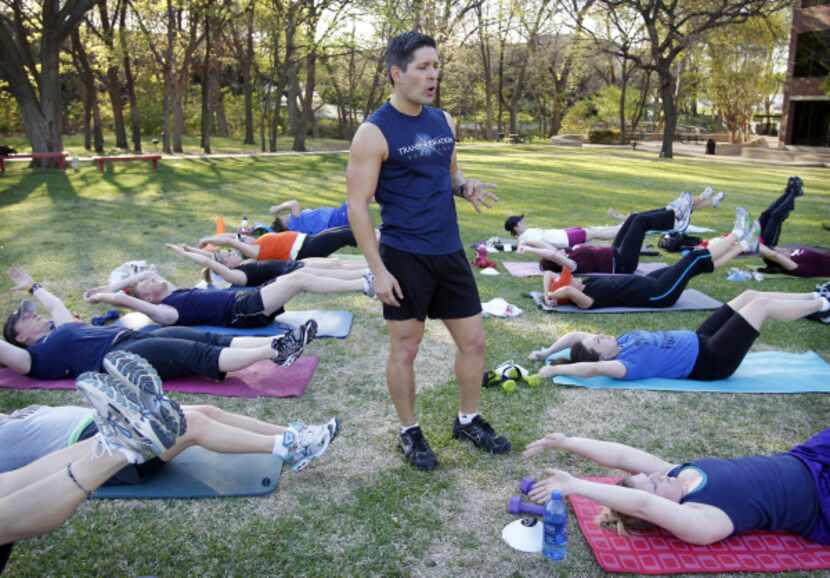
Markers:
(152, 158)
(658, 552)
(481, 261)
(61, 158)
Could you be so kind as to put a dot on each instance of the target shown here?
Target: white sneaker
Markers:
(306, 443)
(682, 207)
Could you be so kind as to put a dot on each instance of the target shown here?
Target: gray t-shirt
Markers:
(37, 430)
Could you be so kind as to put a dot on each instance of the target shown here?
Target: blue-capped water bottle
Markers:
(555, 540)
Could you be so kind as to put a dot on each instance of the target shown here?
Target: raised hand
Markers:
(22, 280)
(550, 441)
(479, 194)
(556, 480)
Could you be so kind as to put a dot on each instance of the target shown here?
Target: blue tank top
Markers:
(312, 221)
(668, 354)
(414, 187)
(775, 493)
(71, 349)
(202, 306)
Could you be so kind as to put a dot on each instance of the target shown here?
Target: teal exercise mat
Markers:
(199, 473)
(760, 372)
(690, 300)
(334, 323)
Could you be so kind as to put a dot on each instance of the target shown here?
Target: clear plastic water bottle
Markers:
(243, 226)
(555, 540)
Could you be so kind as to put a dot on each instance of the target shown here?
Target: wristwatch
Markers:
(35, 286)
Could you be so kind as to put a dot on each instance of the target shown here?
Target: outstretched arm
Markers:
(550, 253)
(232, 276)
(609, 454)
(291, 206)
(57, 310)
(15, 358)
(248, 250)
(561, 343)
(161, 314)
(691, 523)
(613, 369)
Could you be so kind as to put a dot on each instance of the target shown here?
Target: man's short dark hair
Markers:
(401, 48)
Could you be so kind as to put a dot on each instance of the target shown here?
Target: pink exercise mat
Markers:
(263, 378)
(531, 268)
(658, 552)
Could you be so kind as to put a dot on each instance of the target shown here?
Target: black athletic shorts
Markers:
(249, 311)
(724, 340)
(5, 554)
(435, 286)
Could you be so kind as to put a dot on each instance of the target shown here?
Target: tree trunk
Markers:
(117, 100)
(667, 87)
(623, 89)
(135, 116)
(307, 116)
(93, 134)
(247, 83)
(207, 100)
(178, 114)
(169, 83)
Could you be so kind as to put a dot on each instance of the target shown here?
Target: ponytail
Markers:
(579, 354)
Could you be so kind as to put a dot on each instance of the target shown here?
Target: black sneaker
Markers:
(414, 446)
(481, 434)
(823, 289)
(289, 347)
(822, 316)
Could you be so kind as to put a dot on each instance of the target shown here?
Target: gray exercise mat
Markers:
(690, 300)
(199, 473)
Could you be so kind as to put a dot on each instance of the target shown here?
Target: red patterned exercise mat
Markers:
(658, 552)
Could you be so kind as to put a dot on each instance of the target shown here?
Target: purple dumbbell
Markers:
(519, 508)
(526, 485)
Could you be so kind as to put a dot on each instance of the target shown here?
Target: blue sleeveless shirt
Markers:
(775, 493)
(414, 186)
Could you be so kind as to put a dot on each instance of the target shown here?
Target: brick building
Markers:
(806, 112)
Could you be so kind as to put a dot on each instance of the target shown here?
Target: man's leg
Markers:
(468, 334)
(404, 340)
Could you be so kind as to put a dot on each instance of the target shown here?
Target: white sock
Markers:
(406, 428)
(466, 418)
(825, 304)
(279, 449)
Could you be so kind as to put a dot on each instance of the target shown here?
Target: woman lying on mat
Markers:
(230, 266)
(801, 262)
(623, 256)
(54, 458)
(285, 245)
(705, 500)
(571, 237)
(59, 347)
(165, 304)
(288, 216)
(660, 288)
(712, 352)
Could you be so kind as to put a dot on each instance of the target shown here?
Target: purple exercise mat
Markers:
(263, 378)
(531, 268)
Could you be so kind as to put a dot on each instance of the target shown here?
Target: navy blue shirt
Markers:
(71, 349)
(775, 493)
(202, 306)
(414, 187)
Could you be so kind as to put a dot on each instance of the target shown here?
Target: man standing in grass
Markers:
(404, 156)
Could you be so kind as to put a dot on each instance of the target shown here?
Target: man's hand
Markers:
(479, 194)
(22, 280)
(550, 441)
(387, 288)
(557, 480)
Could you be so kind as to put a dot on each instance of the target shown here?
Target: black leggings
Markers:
(725, 338)
(327, 242)
(178, 351)
(629, 239)
(669, 282)
(774, 216)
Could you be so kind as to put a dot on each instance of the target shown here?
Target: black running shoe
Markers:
(822, 316)
(823, 289)
(289, 347)
(414, 446)
(481, 434)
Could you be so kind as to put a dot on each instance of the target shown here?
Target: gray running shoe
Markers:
(306, 443)
(289, 347)
(136, 373)
(682, 207)
(369, 284)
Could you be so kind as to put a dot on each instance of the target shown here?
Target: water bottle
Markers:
(243, 226)
(555, 540)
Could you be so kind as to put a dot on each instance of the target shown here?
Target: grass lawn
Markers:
(362, 511)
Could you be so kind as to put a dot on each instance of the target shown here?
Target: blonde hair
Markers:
(618, 522)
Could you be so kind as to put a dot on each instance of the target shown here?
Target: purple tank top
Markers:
(592, 259)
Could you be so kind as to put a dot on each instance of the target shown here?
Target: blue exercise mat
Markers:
(199, 473)
(337, 324)
(760, 372)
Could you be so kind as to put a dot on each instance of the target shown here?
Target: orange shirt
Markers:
(280, 246)
(563, 280)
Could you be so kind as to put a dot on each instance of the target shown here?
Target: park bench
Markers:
(516, 138)
(61, 158)
(152, 158)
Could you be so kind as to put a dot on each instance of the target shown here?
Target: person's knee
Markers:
(197, 423)
(473, 344)
(209, 411)
(750, 295)
(404, 350)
